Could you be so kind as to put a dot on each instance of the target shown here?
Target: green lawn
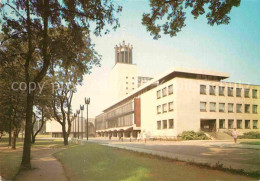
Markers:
(10, 160)
(251, 142)
(94, 162)
(9, 163)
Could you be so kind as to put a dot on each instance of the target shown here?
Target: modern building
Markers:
(180, 100)
(78, 128)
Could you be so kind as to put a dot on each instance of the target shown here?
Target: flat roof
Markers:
(173, 70)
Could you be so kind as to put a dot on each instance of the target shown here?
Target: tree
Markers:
(168, 16)
(42, 108)
(78, 60)
(33, 22)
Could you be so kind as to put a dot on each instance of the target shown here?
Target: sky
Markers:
(233, 48)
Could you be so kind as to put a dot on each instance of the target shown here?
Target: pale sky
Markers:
(233, 48)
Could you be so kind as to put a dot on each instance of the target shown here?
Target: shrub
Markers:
(251, 135)
(191, 135)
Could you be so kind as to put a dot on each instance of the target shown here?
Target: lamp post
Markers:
(78, 111)
(87, 102)
(82, 109)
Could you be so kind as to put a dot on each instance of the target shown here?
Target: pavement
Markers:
(213, 152)
(44, 167)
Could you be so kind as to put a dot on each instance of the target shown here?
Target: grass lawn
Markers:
(9, 163)
(94, 162)
(251, 142)
(10, 160)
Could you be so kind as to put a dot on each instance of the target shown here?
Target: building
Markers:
(124, 76)
(78, 128)
(182, 100)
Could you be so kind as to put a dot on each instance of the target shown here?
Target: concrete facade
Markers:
(183, 100)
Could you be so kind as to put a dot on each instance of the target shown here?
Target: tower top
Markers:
(123, 53)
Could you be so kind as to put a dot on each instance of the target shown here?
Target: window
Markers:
(254, 93)
(203, 106)
(247, 124)
(239, 124)
(126, 87)
(126, 77)
(170, 89)
(230, 123)
(126, 82)
(170, 106)
(159, 109)
(133, 78)
(164, 124)
(239, 108)
(133, 83)
(202, 89)
(158, 94)
(164, 108)
(230, 107)
(230, 91)
(247, 107)
(171, 124)
(222, 123)
(238, 92)
(255, 124)
(212, 90)
(164, 93)
(158, 124)
(246, 92)
(212, 106)
(221, 107)
(133, 88)
(255, 109)
(221, 91)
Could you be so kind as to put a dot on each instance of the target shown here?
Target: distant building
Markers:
(177, 100)
(78, 128)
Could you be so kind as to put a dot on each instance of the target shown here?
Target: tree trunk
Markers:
(65, 137)
(33, 139)
(14, 138)
(26, 162)
(10, 133)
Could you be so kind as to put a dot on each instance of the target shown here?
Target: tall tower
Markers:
(124, 74)
(123, 53)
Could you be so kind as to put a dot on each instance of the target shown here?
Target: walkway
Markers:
(212, 152)
(45, 166)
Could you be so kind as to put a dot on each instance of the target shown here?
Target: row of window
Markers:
(165, 124)
(239, 123)
(221, 91)
(163, 108)
(163, 92)
(127, 77)
(221, 108)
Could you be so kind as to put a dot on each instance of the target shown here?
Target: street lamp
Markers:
(82, 109)
(78, 111)
(87, 102)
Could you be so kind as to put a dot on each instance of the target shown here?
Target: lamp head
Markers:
(82, 107)
(87, 100)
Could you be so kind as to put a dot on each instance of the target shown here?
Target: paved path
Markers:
(246, 157)
(45, 167)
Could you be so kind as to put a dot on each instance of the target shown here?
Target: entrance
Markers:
(208, 125)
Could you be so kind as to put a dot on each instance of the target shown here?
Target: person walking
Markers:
(138, 136)
(234, 134)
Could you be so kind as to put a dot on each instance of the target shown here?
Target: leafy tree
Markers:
(168, 16)
(77, 60)
(33, 22)
(42, 108)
